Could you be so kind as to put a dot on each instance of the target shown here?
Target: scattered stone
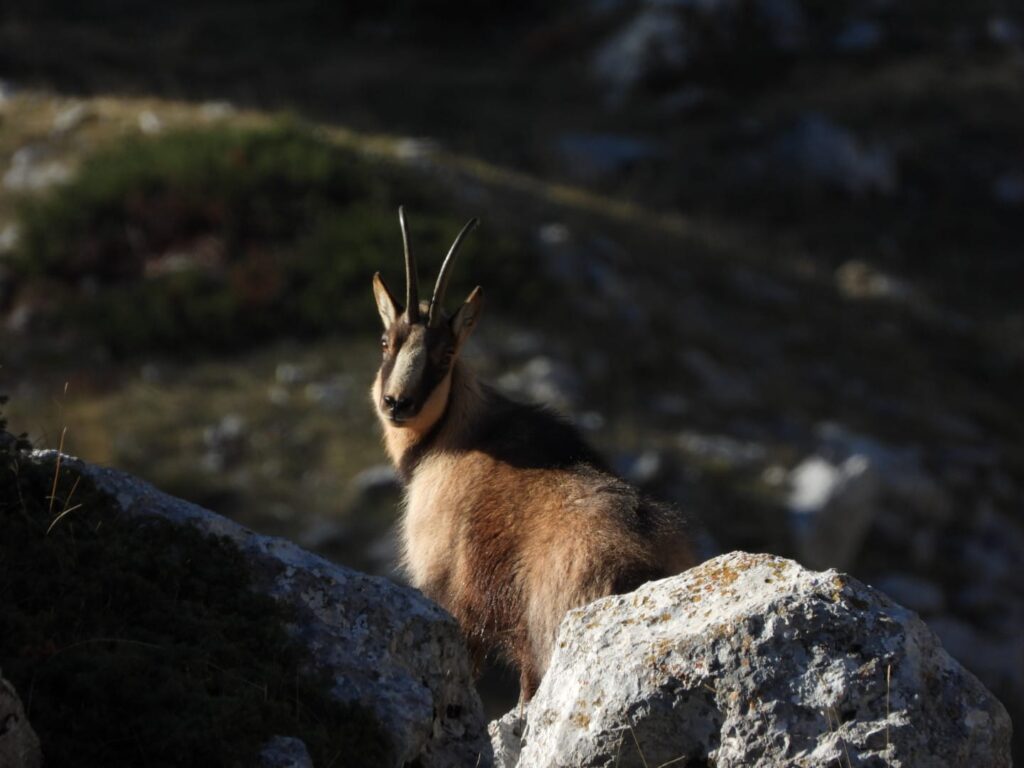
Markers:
(417, 149)
(332, 394)
(858, 280)
(833, 505)
(591, 421)
(816, 151)
(901, 471)
(722, 450)
(641, 468)
(30, 171)
(544, 380)
(661, 40)
(278, 395)
(216, 110)
(774, 475)
(71, 117)
(554, 234)
(7, 92)
(651, 44)
(289, 374)
(521, 343)
(285, 752)
(752, 660)
(850, 482)
(149, 123)
(19, 745)
(9, 239)
(507, 738)
(225, 443)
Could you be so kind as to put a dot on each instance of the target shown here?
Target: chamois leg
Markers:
(529, 680)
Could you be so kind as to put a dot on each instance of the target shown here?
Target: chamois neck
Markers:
(444, 417)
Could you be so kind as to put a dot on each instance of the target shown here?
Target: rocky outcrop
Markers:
(19, 746)
(753, 660)
(386, 647)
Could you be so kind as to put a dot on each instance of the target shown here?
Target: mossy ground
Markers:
(138, 642)
(219, 238)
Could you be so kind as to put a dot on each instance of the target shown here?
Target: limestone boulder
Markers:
(752, 660)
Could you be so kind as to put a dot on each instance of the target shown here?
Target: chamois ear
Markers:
(464, 321)
(386, 304)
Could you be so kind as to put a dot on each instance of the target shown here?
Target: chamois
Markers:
(510, 518)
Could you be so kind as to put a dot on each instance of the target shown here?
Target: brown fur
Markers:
(510, 520)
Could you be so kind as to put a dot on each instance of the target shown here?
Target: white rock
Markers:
(750, 660)
(212, 111)
(652, 42)
(9, 238)
(30, 171)
(819, 151)
(149, 123)
(71, 116)
(722, 449)
(836, 494)
(833, 506)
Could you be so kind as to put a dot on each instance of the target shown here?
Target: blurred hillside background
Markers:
(769, 254)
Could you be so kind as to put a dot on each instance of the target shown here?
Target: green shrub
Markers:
(138, 642)
(223, 237)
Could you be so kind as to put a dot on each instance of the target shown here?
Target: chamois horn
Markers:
(434, 315)
(412, 278)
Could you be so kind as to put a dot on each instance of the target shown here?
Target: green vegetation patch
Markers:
(221, 237)
(139, 642)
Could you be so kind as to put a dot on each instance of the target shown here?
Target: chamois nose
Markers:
(397, 406)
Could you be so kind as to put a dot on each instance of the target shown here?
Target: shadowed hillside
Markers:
(767, 254)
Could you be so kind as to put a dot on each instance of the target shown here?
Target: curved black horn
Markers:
(412, 278)
(441, 287)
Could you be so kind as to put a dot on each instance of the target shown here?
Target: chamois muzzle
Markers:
(397, 407)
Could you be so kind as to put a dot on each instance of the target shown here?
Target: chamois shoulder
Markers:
(529, 436)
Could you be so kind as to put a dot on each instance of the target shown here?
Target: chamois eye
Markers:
(384, 343)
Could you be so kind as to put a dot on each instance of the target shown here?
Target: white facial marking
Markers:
(407, 371)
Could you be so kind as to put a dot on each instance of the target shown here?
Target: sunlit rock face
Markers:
(753, 660)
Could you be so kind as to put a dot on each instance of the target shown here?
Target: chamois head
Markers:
(420, 342)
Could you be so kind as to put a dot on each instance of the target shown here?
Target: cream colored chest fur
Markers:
(430, 523)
